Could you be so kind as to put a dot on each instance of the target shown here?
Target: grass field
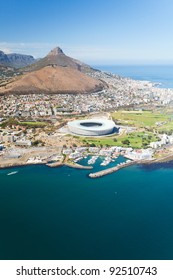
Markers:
(33, 124)
(148, 124)
(142, 118)
(134, 140)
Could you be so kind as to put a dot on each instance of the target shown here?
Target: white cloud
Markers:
(35, 49)
(5, 50)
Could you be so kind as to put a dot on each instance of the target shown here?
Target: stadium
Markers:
(92, 127)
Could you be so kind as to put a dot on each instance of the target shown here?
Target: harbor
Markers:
(112, 169)
(78, 166)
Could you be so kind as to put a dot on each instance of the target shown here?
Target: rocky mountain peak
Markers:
(56, 57)
(55, 51)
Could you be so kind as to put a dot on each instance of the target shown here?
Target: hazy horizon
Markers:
(96, 32)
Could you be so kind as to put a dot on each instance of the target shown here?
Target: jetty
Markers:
(112, 169)
(55, 164)
(69, 164)
(78, 166)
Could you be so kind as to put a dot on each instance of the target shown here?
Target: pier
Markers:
(112, 169)
(78, 166)
(73, 165)
(55, 164)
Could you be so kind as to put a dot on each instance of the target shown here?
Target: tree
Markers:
(92, 145)
(37, 142)
(126, 142)
(144, 144)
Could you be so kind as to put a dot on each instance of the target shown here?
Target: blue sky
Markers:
(94, 31)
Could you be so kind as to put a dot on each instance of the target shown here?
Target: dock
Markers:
(78, 166)
(112, 169)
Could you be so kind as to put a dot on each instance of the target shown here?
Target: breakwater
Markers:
(112, 169)
(73, 165)
(78, 166)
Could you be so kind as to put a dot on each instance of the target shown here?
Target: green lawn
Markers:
(148, 123)
(136, 140)
(12, 121)
(142, 118)
(34, 124)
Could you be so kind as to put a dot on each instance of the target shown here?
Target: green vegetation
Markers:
(141, 119)
(9, 122)
(33, 124)
(147, 123)
(134, 140)
(12, 121)
(37, 143)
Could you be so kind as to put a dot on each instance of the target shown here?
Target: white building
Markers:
(23, 142)
(67, 151)
(81, 149)
(75, 155)
(92, 127)
(94, 149)
(140, 154)
(155, 145)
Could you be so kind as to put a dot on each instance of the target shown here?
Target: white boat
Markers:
(106, 161)
(92, 160)
(12, 173)
(78, 159)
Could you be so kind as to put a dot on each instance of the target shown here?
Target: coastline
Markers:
(52, 165)
(44, 157)
(162, 159)
(5, 165)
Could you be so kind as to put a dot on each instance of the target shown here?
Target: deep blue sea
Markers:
(60, 213)
(155, 73)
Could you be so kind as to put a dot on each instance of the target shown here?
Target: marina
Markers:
(92, 160)
(106, 161)
(112, 169)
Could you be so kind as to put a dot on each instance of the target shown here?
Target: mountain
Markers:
(55, 73)
(4, 61)
(15, 60)
(20, 60)
(57, 57)
(53, 79)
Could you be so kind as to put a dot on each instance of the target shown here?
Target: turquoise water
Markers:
(155, 73)
(60, 213)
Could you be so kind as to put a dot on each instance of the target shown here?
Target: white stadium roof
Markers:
(91, 127)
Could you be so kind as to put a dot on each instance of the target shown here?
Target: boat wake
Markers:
(12, 173)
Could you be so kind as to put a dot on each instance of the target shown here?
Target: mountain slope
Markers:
(4, 61)
(53, 79)
(15, 60)
(20, 60)
(58, 58)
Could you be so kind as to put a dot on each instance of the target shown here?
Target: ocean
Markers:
(60, 213)
(162, 74)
